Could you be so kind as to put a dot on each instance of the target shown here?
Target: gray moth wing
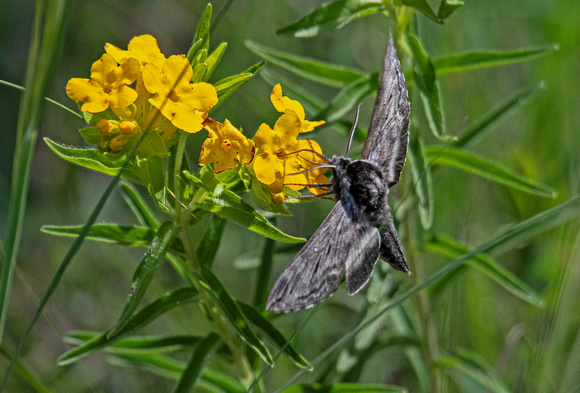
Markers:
(391, 250)
(316, 271)
(388, 134)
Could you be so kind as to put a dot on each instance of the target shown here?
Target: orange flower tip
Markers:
(117, 143)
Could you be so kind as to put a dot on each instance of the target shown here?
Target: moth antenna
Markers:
(181, 203)
(321, 156)
(352, 130)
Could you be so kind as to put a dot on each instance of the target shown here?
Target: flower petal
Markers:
(144, 48)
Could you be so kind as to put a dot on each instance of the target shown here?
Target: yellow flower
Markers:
(305, 159)
(143, 48)
(183, 103)
(115, 135)
(108, 85)
(226, 147)
(282, 104)
(275, 146)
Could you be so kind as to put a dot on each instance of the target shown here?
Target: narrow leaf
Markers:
(325, 73)
(131, 236)
(474, 366)
(477, 165)
(231, 206)
(140, 319)
(210, 243)
(422, 185)
(423, 7)
(195, 365)
(349, 97)
(232, 313)
(426, 82)
(144, 345)
(201, 38)
(138, 206)
(498, 113)
(453, 249)
(345, 388)
(332, 16)
(447, 7)
(494, 58)
(264, 272)
(273, 335)
(92, 159)
(154, 258)
(227, 86)
(213, 60)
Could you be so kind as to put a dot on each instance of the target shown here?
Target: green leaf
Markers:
(423, 7)
(262, 197)
(345, 388)
(325, 73)
(213, 60)
(92, 159)
(263, 274)
(132, 236)
(154, 258)
(227, 86)
(138, 206)
(494, 58)
(349, 97)
(201, 38)
(273, 335)
(210, 243)
(332, 16)
(140, 319)
(232, 312)
(108, 233)
(231, 206)
(195, 365)
(450, 248)
(426, 82)
(475, 367)
(91, 135)
(498, 113)
(211, 381)
(143, 345)
(422, 185)
(477, 165)
(447, 7)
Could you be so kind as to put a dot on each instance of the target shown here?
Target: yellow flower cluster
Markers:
(281, 159)
(140, 90)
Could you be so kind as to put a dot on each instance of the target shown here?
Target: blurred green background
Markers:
(541, 140)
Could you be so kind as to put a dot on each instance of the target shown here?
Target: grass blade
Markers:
(477, 165)
(496, 114)
(273, 334)
(210, 243)
(152, 260)
(138, 206)
(423, 188)
(195, 365)
(345, 388)
(423, 7)
(45, 49)
(453, 249)
(140, 319)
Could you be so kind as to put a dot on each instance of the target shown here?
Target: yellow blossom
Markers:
(306, 158)
(143, 48)
(226, 147)
(275, 147)
(183, 103)
(108, 85)
(282, 104)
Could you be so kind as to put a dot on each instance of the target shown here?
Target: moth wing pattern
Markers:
(316, 271)
(388, 134)
(391, 250)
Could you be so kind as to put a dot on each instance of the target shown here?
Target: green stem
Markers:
(233, 343)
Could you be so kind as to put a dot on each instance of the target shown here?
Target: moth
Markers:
(360, 228)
